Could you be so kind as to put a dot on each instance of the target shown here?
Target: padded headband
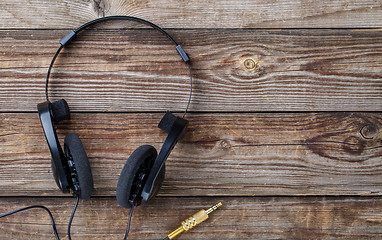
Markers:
(68, 38)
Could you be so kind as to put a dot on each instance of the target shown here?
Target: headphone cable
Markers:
(36, 206)
(72, 216)
(128, 222)
(50, 215)
(190, 95)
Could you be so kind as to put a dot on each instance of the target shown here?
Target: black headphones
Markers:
(144, 171)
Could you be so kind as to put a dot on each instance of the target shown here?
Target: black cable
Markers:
(189, 98)
(72, 216)
(37, 206)
(166, 238)
(128, 222)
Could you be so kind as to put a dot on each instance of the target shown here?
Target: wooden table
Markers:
(285, 122)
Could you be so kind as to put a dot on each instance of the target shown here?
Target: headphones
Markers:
(143, 172)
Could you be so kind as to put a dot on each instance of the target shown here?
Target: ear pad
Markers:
(74, 147)
(60, 110)
(144, 155)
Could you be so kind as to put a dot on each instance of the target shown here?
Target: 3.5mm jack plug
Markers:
(192, 221)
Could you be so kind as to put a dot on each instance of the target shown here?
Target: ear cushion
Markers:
(74, 145)
(60, 109)
(125, 181)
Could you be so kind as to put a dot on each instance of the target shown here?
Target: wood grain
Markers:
(238, 218)
(221, 154)
(195, 14)
(286, 115)
(113, 70)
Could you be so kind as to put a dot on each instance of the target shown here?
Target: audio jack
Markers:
(192, 221)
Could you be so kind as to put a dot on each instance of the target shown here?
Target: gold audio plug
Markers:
(192, 221)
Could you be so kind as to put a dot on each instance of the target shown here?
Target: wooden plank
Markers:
(238, 218)
(221, 154)
(196, 14)
(113, 70)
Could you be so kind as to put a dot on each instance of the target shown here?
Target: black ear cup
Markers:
(60, 110)
(75, 150)
(138, 165)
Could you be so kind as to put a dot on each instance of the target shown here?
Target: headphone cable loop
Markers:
(32, 207)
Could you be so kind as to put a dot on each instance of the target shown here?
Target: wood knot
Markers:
(100, 7)
(368, 132)
(225, 145)
(249, 63)
(250, 67)
(354, 145)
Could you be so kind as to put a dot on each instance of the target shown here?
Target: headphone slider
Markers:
(67, 38)
(182, 53)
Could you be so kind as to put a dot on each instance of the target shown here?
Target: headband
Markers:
(70, 36)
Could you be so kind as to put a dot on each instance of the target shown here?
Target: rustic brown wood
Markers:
(196, 14)
(268, 134)
(238, 218)
(234, 70)
(221, 154)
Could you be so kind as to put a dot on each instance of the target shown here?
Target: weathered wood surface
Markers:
(238, 218)
(113, 70)
(251, 63)
(232, 154)
(196, 14)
